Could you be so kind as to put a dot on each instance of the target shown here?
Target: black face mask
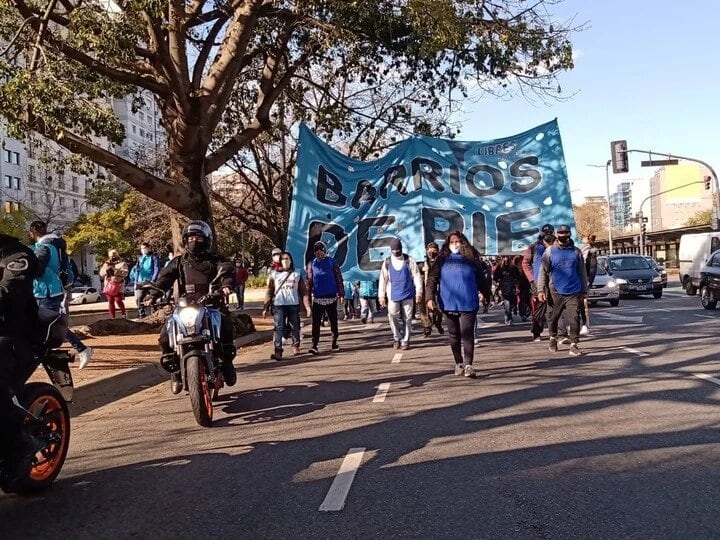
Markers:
(563, 240)
(196, 248)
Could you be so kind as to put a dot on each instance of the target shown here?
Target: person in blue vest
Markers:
(458, 281)
(400, 287)
(48, 287)
(325, 283)
(146, 269)
(564, 277)
(532, 259)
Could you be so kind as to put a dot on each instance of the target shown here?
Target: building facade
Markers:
(678, 194)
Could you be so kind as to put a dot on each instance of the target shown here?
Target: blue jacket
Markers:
(563, 269)
(368, 289)
(48, 285)
(146, 269)
(456, 280)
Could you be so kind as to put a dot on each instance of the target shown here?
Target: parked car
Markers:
(635, 271)
(659, 268)
(84, 295)
(694, 250)
(604, 288)
(710, 281)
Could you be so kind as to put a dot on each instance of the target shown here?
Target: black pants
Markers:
(318, 310)
(461, 332)
(568, 303)
(11, 364)
(226, 337)
(539, 311)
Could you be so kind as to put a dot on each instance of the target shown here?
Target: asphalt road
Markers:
(619, 443)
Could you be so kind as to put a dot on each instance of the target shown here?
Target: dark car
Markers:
(659, 268)
(633, 274)
(710, 281)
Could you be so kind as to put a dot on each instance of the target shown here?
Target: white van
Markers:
(694, 251)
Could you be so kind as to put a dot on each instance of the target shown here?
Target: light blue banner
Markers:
(499, 193)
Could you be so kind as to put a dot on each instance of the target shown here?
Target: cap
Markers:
(548, 229)
(432, 245)
(319, 246)
(563, 229)
(395, 243)
(276, 251)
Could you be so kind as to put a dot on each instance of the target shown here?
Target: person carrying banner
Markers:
(325, 283)
(532, 259)
(400, 286)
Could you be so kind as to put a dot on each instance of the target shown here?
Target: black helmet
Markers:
(199, 228)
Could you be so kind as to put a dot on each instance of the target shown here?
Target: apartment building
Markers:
(678, 193)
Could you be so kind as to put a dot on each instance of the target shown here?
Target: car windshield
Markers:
(600, 270)
(628, 263)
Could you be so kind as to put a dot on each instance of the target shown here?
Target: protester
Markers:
(54, 274)
(241, 277)
(350, 311)
(532, 260)
(590, 253)
(368, 298)
(507, 276)
(523, 295)
(274, 259)
(486, 268)
(114, 272)
(563, 273)
(325, 283)
(457, 279)
(429, 318)
(286, 289)
(400, 287)
(146, 269)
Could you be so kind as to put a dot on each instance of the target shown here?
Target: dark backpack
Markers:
(65, 274)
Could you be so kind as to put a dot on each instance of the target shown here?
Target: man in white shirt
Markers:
(400, 286)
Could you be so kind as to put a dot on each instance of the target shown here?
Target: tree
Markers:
(66, 59)
(16, 223)
(703, 217)
(591, 218)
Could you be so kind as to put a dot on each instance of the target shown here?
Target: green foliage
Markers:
(704, 217)
(16, 223)
(257, 281)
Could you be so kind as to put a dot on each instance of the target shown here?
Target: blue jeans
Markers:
(292, 314)
(240, 293)
(53, 304)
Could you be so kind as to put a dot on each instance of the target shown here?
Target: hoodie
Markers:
(563, 270)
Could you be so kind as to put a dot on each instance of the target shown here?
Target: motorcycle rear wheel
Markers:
(200, 397)
(55, 421)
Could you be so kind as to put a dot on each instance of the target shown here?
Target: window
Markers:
(88, 185)
(142, 132)
(8, 156)
(31, 194)
(75, 204)
(134, 129)
(8, 207)
(7, 181)
(16, 158)
(11, 207)
(61, 181)
(62, 202)
(16, 183)
(142, 117)
(74, 186)
(715, 260)
(31, 173)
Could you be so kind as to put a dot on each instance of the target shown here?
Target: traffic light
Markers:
(643, 228)
(619, 157)
(708, 182)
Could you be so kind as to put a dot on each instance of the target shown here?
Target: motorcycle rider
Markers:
(18, 320)
(194, 270)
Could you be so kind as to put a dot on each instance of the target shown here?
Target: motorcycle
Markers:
(46, 418)
(194, 333)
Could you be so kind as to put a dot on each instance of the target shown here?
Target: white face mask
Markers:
(285, 265)
(455, 248)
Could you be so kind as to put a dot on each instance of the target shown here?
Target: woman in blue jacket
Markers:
(457, 280)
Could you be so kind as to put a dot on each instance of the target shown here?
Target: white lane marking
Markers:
(381, 392)
(396, 358)
(634, 351)
(707, 378)
(704, 316)
(338, 492)
(619, 317)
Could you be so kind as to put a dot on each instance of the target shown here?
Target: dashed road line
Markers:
(381, 392)
(707, 378)
(634, 351)
(396, 359)
(338, 492)
(704, 316)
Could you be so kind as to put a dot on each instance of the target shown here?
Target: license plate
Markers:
(639, 287)
(595, 293)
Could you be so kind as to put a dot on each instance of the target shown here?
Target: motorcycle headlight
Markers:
(188, 316)
(657, 279)
(620, 281)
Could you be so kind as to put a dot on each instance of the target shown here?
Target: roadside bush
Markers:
(256, 282)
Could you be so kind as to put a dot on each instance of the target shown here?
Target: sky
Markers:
(645, 71)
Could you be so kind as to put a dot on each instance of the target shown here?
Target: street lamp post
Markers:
(607, 188)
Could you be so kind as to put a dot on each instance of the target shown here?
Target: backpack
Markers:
(66, 273)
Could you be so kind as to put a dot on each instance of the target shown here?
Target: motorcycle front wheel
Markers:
(53, 429)
(197, 384)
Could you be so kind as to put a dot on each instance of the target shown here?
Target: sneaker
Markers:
(459, 370)
(440, 329)
(508, 322)
(427, 332)
(296, 350)
(405, 346)
(277, 355)
(537, 339)
(363, 320)
(335, 347)
(370, 320)
(176, 385)
(553, 345)
(574, 350)
(584, 331)
(396, 344)
(345, 318)
(85, 356)
(313, 350)
(565, 341)
(469, 372)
